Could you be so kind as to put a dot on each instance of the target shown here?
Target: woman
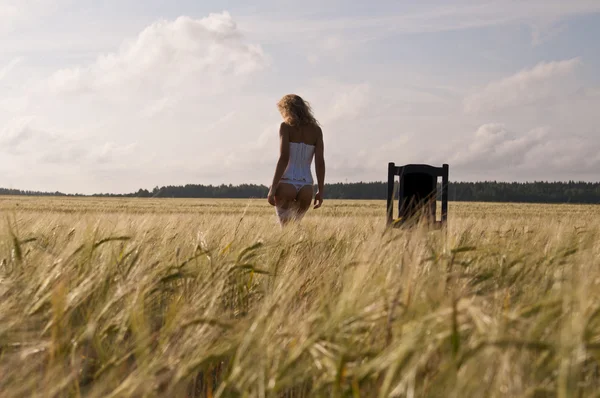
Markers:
(301, 140)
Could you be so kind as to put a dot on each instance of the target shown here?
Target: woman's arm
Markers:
(320, 169)
(284, 157)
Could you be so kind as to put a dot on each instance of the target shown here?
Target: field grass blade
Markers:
(207, 321)
(189, 260)
(463, 249)
(536, 308)
(131, 264)
(111, 239)
(522, 344)
(455, 335)
(226, 249)
(30, 240)
(172, 277)
(17, 250)
(249, 252)
(249, 268)
(591, 323)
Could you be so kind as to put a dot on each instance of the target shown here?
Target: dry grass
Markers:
(190, 298)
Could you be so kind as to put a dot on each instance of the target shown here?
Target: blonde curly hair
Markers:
(296, 111)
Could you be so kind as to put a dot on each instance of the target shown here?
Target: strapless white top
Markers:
(298, 168)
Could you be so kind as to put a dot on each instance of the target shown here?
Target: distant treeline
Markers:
(6, 191)
(488, 191)
(534, 192)
(491, 191)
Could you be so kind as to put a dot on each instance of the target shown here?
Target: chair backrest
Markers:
(418, 188)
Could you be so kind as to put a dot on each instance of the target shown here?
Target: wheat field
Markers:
(210, 298)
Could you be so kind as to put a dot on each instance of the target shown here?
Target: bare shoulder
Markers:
(284, 129)
(319, 131)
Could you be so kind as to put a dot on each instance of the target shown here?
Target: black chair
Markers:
(418, 189)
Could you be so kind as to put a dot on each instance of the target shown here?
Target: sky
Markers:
(114, 96)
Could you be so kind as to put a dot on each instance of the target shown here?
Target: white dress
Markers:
(298, 171)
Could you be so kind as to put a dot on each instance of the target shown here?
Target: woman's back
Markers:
(302, 142)
(306, 133)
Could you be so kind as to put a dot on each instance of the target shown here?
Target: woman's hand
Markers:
(271, 197)
(318, 200)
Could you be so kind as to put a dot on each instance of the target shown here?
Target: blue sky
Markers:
(116, 95)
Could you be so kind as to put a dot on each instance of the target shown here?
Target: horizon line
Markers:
(49, 193)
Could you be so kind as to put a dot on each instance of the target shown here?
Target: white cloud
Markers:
(5, 70)
(544, 81)
(111, 153)
(184, 57)
(496, 151)
(542, 32)
(15, 134)
(493, 146)
(348, 103)
(21, 138)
